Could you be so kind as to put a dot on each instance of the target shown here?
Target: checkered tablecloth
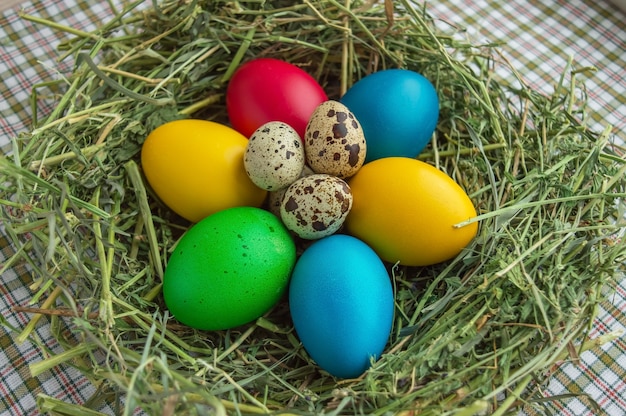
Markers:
(538, 38)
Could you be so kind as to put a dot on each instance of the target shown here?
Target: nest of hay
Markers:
(473, 335)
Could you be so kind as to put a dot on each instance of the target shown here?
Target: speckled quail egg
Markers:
(275, 198)
(316, 206)
(274, 156)
(334, 142)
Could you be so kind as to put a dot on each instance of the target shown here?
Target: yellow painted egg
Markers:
(406, 210)
(196, 168)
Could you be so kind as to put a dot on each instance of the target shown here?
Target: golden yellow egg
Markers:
(406, 210)
(196, 168)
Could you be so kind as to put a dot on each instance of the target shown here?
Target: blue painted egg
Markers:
(398, 110)
(341, 303)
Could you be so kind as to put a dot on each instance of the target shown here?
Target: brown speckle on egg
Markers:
(354, 151)
(291, 204)
(340, 130)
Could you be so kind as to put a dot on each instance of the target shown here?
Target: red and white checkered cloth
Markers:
(537, 37)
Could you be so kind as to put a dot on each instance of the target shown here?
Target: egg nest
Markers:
(478, 333)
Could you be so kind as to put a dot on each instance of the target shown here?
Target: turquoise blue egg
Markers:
(398, 110)
(341, 303)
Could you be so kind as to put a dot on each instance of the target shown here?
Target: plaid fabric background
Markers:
(540, 36)
(27, 56)
(538, 39)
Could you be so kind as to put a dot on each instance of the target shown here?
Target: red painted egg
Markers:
(267, 89)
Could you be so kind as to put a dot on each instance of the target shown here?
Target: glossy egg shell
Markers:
(341, 303)
(398, 110)
(229, 269)
(267, 89)
(406, 210)
(196, 168)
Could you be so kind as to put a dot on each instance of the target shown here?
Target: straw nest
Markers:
(474, 335)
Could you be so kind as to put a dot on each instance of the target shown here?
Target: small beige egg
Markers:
(334, 141)
(316, 206)
(274, 156)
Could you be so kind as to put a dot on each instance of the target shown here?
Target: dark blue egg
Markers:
(398, 110)
(341, 302)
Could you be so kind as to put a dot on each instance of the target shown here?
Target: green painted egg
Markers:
(229, 269)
